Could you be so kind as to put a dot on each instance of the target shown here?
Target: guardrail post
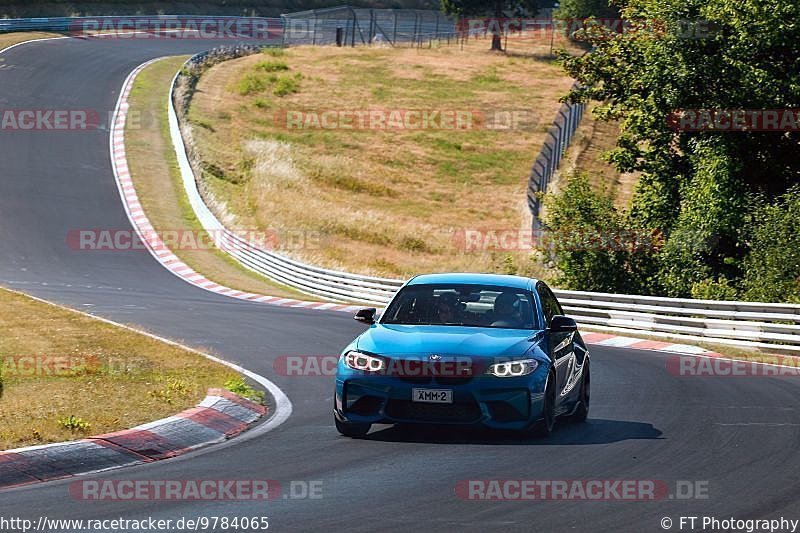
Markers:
(353, 37)
(547, 146)
(314, 35)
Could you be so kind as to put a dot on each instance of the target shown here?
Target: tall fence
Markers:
(349, 26)
(547, 162)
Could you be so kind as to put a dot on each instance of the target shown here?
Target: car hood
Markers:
(414, 341)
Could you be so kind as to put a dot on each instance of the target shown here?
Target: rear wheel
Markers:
(544, 428)
(582, 410)
(352, 430)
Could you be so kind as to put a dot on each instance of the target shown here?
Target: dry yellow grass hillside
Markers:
(388, 201)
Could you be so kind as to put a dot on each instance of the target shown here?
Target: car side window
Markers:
(550, 306)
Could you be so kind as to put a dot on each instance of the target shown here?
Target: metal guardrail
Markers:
(767, 326)
(559, 136)
(59, 24)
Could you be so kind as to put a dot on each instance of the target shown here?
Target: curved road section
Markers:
(658, 445)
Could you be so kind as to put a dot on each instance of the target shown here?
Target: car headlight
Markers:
(361, 361)
(513, 369)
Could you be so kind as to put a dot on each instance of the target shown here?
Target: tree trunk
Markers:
(497, 43)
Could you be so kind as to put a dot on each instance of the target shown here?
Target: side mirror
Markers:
(562, 324)
(366, 315)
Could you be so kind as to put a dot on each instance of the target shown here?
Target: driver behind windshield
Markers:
(506, 311)
(447, 309)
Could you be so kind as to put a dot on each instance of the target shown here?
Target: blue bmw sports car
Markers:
(471, 349)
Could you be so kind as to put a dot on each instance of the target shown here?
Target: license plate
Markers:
(432, 395)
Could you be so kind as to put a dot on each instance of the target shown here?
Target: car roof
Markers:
(501, 280)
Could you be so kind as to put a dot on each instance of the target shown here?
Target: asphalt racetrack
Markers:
(736, 438)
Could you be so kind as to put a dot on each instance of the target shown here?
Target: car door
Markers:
(559, 343)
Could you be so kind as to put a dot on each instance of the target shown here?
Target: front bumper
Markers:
(498, 403)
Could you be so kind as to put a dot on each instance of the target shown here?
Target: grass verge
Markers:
(157, 179)
(67, 375)
(591, 140)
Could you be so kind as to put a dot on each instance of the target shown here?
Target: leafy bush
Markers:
(286, 85)
(705, 240)
(250, 84)
(272, 65)
(772, 268)
(74, 423)
(174, 388)
(591, 244)
(509, 266)
(414, 244)
(711, 289)
(239, 386)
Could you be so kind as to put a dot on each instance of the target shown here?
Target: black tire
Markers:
(353, 431)
(544, 428)
(582, 409)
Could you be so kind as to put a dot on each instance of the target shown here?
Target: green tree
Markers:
(696, 187)
(581, 9)
(573, 14)
(499, 9)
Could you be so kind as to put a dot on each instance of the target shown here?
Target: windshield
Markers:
(462, 305)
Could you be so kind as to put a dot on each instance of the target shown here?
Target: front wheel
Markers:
(582, 410)
(544, 428)
(352, 430)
